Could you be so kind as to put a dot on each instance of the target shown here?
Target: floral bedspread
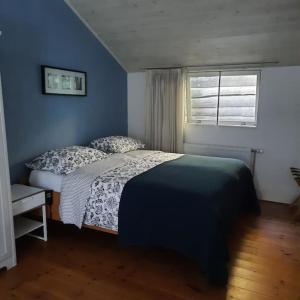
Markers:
(102, 205)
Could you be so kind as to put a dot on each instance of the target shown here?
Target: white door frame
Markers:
(7, 259)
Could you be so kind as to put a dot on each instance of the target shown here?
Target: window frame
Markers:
(206, 73)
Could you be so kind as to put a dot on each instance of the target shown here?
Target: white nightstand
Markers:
(24, 199)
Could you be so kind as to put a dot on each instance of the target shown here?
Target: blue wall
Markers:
(36, 32)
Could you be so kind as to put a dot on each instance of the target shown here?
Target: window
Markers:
(223, 98)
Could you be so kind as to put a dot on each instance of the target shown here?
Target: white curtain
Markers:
(165, 109)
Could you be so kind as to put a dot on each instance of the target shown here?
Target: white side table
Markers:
(24, 199)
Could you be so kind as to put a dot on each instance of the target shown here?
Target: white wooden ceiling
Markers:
(164, 33)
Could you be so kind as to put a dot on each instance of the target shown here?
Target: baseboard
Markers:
(8, 263)
(275, 202)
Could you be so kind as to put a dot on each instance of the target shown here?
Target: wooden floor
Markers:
(86, 264)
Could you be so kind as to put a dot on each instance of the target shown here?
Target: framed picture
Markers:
(58, 81)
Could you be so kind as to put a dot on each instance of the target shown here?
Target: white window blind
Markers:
(223, 98)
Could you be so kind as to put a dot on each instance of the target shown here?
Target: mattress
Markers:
(76, 200)
(46, 180)
(50, 181)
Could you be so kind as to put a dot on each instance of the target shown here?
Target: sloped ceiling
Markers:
(165, 33)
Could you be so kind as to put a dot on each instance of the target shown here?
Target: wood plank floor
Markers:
(74, 264)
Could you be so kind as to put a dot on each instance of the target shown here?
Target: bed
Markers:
(150, 198)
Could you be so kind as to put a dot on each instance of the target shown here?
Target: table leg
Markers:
(45, 223)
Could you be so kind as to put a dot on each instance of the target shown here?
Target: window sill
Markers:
(229, 125)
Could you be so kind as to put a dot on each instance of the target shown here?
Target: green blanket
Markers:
(188, 205)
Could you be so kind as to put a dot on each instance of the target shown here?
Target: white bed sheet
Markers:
(46, 180)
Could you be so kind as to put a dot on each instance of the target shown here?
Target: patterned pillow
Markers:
(66, 160)
(117, 144)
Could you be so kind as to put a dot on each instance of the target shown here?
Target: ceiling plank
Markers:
(165, 33)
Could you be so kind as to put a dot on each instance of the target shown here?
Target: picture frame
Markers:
(61, 81)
